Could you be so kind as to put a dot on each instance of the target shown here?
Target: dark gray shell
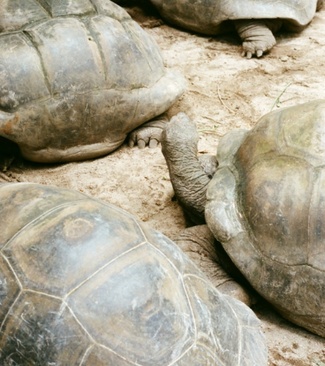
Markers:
(85, 283)
(266, 206)
(76, 77)
(210, 16)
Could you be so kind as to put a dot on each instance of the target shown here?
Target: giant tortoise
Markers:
(76, 77)
(265, 203)
(255, 21)
(85, 283)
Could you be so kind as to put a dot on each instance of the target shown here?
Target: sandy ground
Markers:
(225, 91)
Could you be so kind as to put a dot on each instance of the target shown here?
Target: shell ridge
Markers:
(44, 7)
(56, 96)
(182, 355)
(9, 310)
(96, 343)
(65, 305)
(139, 42)
(87, 332)
(103, 267)
(88, 350)
(42, 293)
(135, 363)
(240, 333)
(48, 212)
(188, 275)
(91, 30)
(181, 278)
(49, 8)
(19, 284)
(95, 7)
(30, 39)
(220, 363)
(241, 326)
(13, 271)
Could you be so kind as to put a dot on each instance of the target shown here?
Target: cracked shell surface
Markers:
(85, 283)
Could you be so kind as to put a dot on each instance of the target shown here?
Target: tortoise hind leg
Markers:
(257, 35)
(149, 133)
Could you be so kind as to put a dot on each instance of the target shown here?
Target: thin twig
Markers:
(277, 100)
(208, 130)
(223, 103)
(5, 178)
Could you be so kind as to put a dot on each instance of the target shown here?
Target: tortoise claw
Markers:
(259, 53)
(149, 134)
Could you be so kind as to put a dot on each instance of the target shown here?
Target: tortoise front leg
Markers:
(200, 245)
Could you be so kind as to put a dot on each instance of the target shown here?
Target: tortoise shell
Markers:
(266, 204)
(84, 283)
(76, 77)
(211, 16)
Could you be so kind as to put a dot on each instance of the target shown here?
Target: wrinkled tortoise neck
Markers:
(188, 178)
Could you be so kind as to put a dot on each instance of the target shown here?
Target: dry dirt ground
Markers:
(225, 91)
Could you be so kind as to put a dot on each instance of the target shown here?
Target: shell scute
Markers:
(276, 212)
(44, 253)
(43, 330)
(71, 61)
(18, 86)
(144, 302)
(18, 13)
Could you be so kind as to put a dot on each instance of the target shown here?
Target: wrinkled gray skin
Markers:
(255, 21)
(199, 244)
(179, 147)
(190, 175)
